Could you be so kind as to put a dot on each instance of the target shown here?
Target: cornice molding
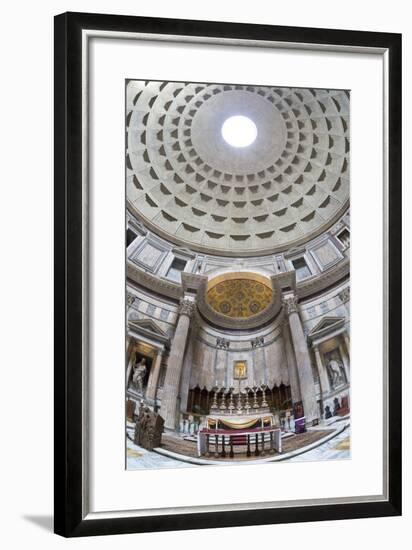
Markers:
(196, 283)
(153, 282)
(196, 247)
(314, 285)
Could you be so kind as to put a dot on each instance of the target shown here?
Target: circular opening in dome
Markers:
(239, 131)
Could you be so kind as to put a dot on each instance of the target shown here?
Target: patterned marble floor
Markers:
(139, 458)
(337, 448)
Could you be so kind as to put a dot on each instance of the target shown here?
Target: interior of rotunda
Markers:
(237, 273)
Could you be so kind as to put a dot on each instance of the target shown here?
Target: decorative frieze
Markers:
(257, 342)
(222, 343)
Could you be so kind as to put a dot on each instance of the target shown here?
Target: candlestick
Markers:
(247, 404)
(222, 405)
(255, 401)
(214, 405)
(231, 403)
(263, 388)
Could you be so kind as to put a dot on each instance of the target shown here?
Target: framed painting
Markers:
(227, 274)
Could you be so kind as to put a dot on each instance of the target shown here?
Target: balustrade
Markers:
(256, 441)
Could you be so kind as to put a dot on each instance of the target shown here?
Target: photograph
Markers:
(237, 251)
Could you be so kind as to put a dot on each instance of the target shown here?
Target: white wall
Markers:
(26, 289)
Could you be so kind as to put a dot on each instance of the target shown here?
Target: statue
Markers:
(335, 371)
(148, 429)
(139, 372)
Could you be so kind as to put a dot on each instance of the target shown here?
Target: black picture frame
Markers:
(69, 516)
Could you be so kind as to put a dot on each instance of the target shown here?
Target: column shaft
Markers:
(291, 362)
(323, 375)
(187, 370)
(171, 385)
(303, 363)
(130, 356)
(345, 360)
(347, 342)
(154, 377)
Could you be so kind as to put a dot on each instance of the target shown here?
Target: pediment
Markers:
(325, 326)
(147, 325)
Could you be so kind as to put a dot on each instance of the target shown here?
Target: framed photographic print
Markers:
(227, 274)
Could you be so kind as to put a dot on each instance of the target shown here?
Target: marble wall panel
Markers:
(148, 256)
(276, 365)
(220, 366)
(326, 254)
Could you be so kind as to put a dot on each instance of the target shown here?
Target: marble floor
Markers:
(138, 458)
(337, 448)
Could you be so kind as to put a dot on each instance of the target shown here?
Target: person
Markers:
(139, 372)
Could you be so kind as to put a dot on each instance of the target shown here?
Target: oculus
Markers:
(239, 131)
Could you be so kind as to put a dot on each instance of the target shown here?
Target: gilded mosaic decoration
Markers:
(239, 297)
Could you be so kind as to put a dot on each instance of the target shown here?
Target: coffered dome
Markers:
(197, 190)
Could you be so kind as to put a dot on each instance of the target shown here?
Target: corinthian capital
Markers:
(187, 307)
(290, 303)
(130, 300)
(344, 295)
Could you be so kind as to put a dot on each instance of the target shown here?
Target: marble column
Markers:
(345, 360)
(347, 342)
(130, 357)
(154, 376)
(323, 375)
(303, 363)
(187, 367)
(175, 363)
(291, 362)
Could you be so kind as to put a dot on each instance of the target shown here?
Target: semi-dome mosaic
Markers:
(189, 185)
(239, 295)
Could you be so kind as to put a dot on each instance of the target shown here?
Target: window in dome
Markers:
(174, 272)
(301, 268)
(344, 238)
(130, 237)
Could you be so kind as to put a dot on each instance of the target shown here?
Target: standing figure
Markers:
(139, 372)
(335, 372)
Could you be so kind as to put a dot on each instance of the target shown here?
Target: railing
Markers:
(258, 442)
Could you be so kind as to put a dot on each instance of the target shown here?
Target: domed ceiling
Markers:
(189, 185)
(239, 295)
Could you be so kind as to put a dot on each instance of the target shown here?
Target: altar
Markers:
(223, 435)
